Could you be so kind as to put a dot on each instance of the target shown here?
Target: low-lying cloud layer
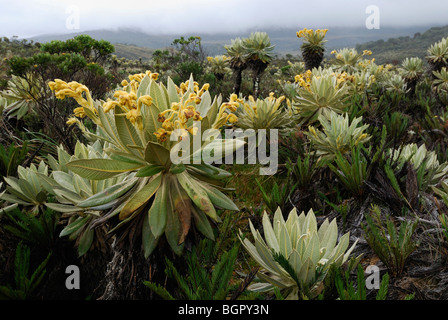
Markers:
(26, 18)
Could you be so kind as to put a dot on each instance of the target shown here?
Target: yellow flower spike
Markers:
(133, 115)
(154, 76)
(124, 83)
(197, 116)
(171, 117)
(232, 118)
(71, 121)
(161, 134)
(139, 76)
(168, 126)
(52, 85)
(109, 105)
(222, 108)
(146, 100)
(281, 99)
(134, 86)
(119, 93)
(203, 89)
(233, 97)
(79, 112)
(126, 99)
(160, 118)
(188, 113)
(233, 106)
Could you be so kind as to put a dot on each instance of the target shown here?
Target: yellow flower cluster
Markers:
(183, 87)
(218, 58)
(127, 98)
(224, 117)
(180, 112)
(76, 91)
(342, 78)
(135, 80)
(304, 79)
(366, 63)
(306, 33)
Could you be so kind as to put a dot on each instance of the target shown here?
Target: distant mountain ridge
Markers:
(285, 40)
(394, 50)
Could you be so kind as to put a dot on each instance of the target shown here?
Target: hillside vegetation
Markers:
(284, 39)
(132, 52)
(394, 50)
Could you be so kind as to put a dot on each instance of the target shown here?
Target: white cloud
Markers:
(31, 17)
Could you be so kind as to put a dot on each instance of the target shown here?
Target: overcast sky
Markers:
(26, 18)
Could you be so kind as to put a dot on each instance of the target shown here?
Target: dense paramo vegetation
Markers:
(88, 178)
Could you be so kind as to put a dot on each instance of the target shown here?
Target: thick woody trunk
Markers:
(238, 79)
(258, 68)
(128, 268)
(125, 274)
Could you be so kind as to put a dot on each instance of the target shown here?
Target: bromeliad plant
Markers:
(86, 203)
(25, 282)
(268, 113)
(337, 135)
(20, 96)
(348, 59)
(440, 84)
(322, 94)
(201, 283)
(27, 190)
(428, 168)
(437, 55)
(412, 70)
(393, 244)
(219, 66)
(137, 126)
(396, 84)
(295, 254)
